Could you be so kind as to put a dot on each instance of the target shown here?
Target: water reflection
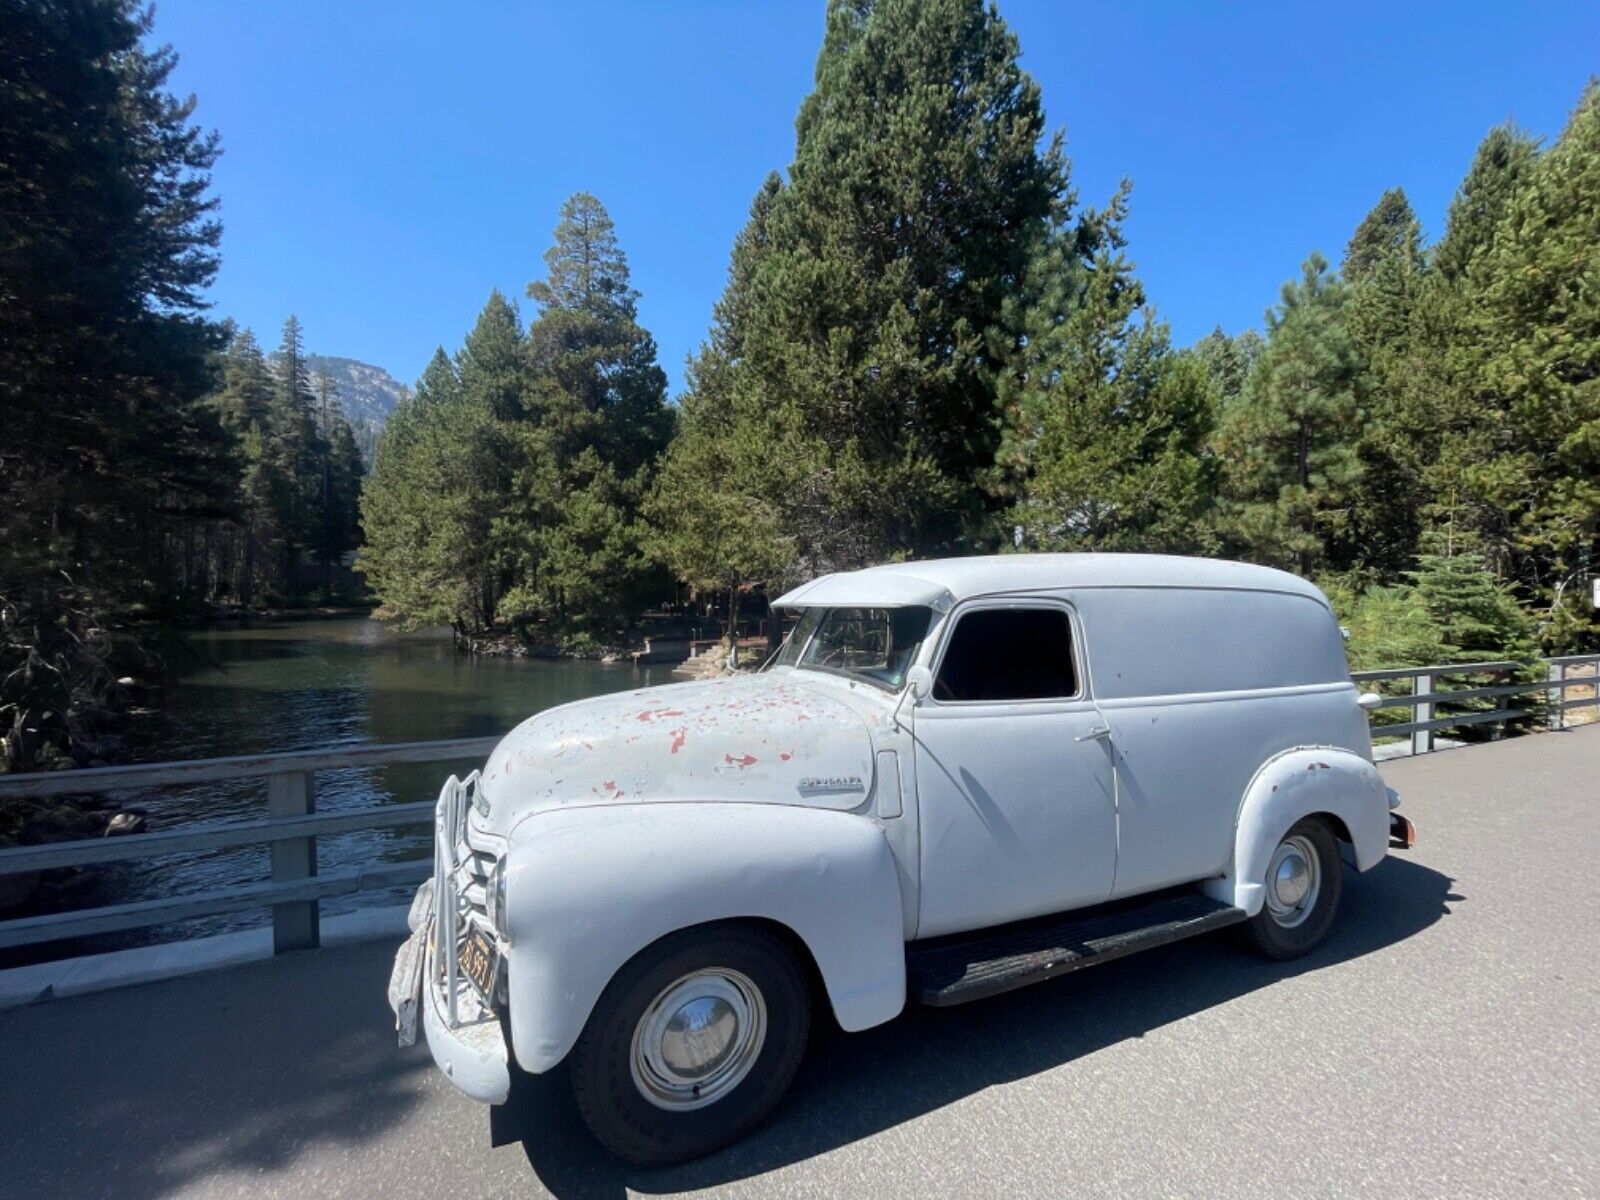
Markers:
(298, 684)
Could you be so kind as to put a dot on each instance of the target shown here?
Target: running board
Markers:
(972, 966)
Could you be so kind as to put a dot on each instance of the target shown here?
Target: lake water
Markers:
(299, 684)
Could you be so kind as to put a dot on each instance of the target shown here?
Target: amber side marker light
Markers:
(1402, 833)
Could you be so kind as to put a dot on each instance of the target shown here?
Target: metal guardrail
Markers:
(1427, 697)
(292, 824)
(290, 830)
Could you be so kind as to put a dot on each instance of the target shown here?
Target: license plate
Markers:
(479, 962)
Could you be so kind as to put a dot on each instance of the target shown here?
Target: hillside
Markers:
(367, 393)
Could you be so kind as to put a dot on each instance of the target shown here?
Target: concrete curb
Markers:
(169, 960)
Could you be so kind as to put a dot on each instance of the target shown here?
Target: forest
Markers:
(928, 344)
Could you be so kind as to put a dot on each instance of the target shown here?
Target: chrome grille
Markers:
(472, 877)
(461, 887)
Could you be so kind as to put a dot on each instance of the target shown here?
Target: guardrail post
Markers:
(1557, 717)
(1422, 739)
(295, 926)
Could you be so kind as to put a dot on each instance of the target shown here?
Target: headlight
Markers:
(497, 896)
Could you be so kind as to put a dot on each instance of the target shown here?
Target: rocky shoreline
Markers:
(513, 645)
(62, 745)
(62, 819)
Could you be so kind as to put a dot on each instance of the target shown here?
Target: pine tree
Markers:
(108, 240)
(1476, 614)
(1103, 424)
(1441, 388)
(244, 406)
(429, 506)
(712, 516)
(916, 194)
(1385, 275)
(1500, 167)
(597, 423)
(1289, 447)
(295, 447)
(1227, 362)
(1541, 295)
(338, 489)
(1388, 232)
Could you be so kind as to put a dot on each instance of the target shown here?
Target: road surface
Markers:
(1444, 1042)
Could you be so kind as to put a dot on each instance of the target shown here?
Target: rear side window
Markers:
(1008, 654)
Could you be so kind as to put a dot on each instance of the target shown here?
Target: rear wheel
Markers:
(692, 1044)
(1303, 884)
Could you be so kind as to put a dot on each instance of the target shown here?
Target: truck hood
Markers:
(755, 738)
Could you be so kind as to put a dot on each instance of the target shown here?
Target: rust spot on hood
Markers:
(747, 760)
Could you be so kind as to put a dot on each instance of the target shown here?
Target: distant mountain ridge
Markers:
(367, 394)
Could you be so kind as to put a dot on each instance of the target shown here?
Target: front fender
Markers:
(588, 888)
(1296, 784)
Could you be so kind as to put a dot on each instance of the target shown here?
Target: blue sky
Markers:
(386, 165)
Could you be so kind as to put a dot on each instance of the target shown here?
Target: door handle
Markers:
(1095, 734)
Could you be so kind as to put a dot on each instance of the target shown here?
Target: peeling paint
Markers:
(749, 738)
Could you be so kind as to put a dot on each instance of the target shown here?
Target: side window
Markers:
(1008, 654)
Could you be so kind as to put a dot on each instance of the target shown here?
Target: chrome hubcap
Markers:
(1294, 879)
(698, 1039)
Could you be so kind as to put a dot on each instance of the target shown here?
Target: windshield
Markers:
(876, 645)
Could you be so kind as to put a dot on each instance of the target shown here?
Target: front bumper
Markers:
(463, 1032)
(472, 1052)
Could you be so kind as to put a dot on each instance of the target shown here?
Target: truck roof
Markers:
(942, 582)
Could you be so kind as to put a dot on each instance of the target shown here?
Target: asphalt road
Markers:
(1444, 1042)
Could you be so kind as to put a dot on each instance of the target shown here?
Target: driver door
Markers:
(1015, 797)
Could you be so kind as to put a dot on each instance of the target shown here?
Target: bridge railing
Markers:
(1493, 681)
(291, 824)
(290, 830)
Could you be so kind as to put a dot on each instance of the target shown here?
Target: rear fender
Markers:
(588, 888)
(1287, 788)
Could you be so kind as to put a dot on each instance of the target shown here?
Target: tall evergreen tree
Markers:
(245, 407)
(1500, 167)
(295, 444)
(1385, 275)
(714, 522)
(1439, 389)
(1541, 294)
(1289, 448)
(1103, 424)
(1388, 232)
(917, 191)
(437, 486)
(107, 241)
(1227, 362)
(598, 421)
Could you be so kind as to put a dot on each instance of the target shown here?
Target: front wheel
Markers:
(1303, 885)
(692, 1044)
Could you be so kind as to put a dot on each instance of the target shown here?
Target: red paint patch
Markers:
(650, 714)
(748, 760)
(786, 756)
(679, 736)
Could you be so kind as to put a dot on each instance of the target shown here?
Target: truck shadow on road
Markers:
(852, 1086)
